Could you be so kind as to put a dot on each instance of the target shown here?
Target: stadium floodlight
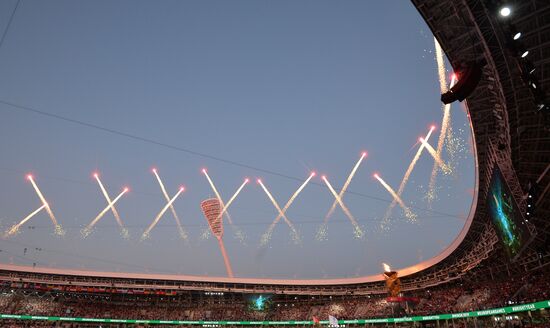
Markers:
(470, 75)
(505, 11)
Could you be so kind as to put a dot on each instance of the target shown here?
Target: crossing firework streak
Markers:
(58, 228)
(445, 168)
(160, 214)
(267, 235)
(408, 213)
(385, 220)
(357, 230)
(88, 229)
(113, 208)
(181, 230)
(344, 187)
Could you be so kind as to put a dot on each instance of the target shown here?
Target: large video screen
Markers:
(506, 216)
(259, 302)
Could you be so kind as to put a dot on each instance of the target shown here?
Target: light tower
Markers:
(212, 210)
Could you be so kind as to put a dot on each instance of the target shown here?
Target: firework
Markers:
(160, 214)
(440, 60)
(445, 168)
(181, 230)
(226, 206)
(15, 228)
(405, 179)
(445, 123)
(113, 208)
(215, 190)
(237, 232)
(408, 213)
(267, 235)
(357, 230)
(88, 229)
(323, 228)
(58, 229)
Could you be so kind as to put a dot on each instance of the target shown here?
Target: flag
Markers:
(332, 321)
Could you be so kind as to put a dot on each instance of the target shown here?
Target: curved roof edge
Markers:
(263, 281)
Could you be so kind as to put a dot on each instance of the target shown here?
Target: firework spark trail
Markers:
(225, 259)
(440, 66)
(358, 231)
(13, 230)
(213, 186)
(408, 213)
(113, 209)
(344, 188)
(237, 232)
(441, 141)
(267, 235)
(226, 206)
(58, 228)
(86, 231)
(292, 198)
(160, 214)
(444, 167)
(181, 230)
(445, 123)
(403, 183)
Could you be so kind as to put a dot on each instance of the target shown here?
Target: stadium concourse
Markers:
(477, 284)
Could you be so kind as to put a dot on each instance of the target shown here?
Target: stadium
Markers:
(493, 272)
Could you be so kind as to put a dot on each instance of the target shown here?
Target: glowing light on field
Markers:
(266, 237)
(408, 213)
(15, 228)
(181, 230)
(124, 231)
(357, 230)
(446, 169)
(406, 177)
(88, 229)
(160, 214)
(387, 267)
(58, 229)
(322, 232)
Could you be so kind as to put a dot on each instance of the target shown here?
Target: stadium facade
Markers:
(511, 128)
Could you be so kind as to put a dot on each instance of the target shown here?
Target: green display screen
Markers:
(505, 215)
